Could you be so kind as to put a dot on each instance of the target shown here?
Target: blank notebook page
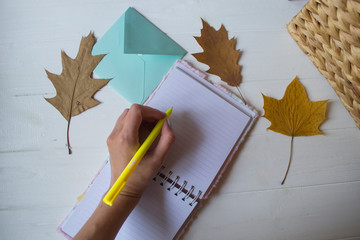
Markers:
(207, 124)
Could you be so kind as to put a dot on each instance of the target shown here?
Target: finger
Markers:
(120, 122)
(136, 115)
(111, 140)
(167, 138)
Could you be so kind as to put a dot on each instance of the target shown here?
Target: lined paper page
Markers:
(206, 126)
(159, 214)
(84, 209)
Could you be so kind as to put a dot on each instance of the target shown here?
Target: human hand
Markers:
(123, 142)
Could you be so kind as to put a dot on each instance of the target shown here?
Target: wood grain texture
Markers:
(40, 181)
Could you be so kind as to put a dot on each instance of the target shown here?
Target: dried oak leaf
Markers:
(75, 87)
(219, 54)
(294, 115)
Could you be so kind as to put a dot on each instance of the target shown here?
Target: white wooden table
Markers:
(40, 181)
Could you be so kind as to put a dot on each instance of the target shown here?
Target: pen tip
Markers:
(168, 112)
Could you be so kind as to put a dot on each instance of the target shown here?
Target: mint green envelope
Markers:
(138, 56)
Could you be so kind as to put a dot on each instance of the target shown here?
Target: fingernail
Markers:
(169, 122)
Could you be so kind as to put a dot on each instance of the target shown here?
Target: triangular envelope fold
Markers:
(143, 37)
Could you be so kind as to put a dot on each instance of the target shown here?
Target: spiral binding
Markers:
(188, 194)
(196, 198)
(166, 178)
(158, 173)
(175, 183)
(181, 188)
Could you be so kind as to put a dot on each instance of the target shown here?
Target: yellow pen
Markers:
(120, 183)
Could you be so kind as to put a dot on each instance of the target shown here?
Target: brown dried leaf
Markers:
(75, 87)
(219, 54)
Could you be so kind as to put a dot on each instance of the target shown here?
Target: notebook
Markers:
(209, 124)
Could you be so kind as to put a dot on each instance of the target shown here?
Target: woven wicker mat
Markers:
(328, 31)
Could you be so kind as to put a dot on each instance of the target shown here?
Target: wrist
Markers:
(125, 199)
(128, 198)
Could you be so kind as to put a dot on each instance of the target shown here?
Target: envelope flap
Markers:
(142, 37)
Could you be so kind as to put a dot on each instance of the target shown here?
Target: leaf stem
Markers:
(241, 96)
(68, 138)
(71, 108)
(290, 157)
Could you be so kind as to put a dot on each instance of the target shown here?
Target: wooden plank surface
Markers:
(40, 181)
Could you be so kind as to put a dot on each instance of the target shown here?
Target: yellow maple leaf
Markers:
(294, 114)
(219, 54)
